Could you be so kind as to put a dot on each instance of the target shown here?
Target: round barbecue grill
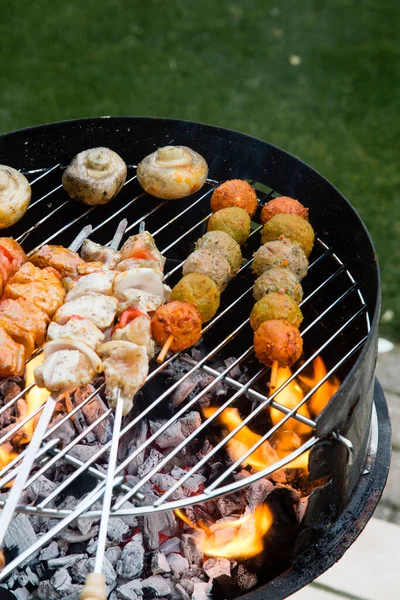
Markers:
(350, 445)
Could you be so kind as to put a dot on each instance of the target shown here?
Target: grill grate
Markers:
(176, 236)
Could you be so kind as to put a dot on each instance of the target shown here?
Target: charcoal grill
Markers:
(351, 440)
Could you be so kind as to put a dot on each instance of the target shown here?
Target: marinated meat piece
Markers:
(92, 252)
(99, 309)
(25, 317)
(36, 286)
(146, 280)
(100, 282)
(13, 252)
(12, 356)
(139, 263)
(143, 247)
(145, 302)
(125, 367)
(60, 258)
(278, 340)
(78, 329)
(135, 327)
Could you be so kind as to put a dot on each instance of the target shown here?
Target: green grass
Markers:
(228, 63)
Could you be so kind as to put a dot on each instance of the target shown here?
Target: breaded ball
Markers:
(234, 221)
(292, 227)
(209, 263)
(179, 319)
(278, 280)
(278, 340)
(282, 254)
(275, 306)
(283, 205)
(235, 192)
(200, 291)
(221, 242)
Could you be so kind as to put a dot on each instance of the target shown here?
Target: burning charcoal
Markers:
(50, 551)
(155, 587)
(65, 561)
(214, 567)
(130, 520)
(188, 582)
(92, 411)
(171, 545)
(224, 588)
(66, 431)
(116, 529)
(28, 576)
(301, 508)
(190, 422)
(131, 590)
(191, 547)
(46, 591)
(154, 524)
(171, 437)
(258, 491)
(138, 438)
(182, 592)
(81, 568)
(113, 554)
(164, 482)
(20, 535)
(73, 593)
(232, 503)
(178, 564)
(159, 564)
(72, 536)
(61, 580)
(192, 484)
(245, 579)
(205, 449)
(132, 558)
(151, 461)
(84, 452)
(189, 388)
(202, 591)
(235, 373)
(21, 594)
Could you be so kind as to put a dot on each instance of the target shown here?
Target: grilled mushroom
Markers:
(15, 195)
(172, 172)
(95, 176)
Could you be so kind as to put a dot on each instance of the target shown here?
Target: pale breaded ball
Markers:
(282, 254)
(278, 340)
(235, 192)
(221, 242)
(283, 205)
(275, 306)
(211, 264)
(278, 280)
(234, 221)
(199, 290)
(292, 227)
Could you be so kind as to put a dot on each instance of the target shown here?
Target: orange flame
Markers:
(6, 455)
(36, 397)
(324, 393)
(290, 397)
(239, 538)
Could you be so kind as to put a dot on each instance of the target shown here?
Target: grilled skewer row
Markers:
(82, 338)
(206, 272)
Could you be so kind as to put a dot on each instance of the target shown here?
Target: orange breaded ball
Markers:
(235, 192)
(278, 340)
(179, 319)
(284, 205)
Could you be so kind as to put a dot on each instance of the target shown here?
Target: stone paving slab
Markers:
(388, 370)
(312, 592)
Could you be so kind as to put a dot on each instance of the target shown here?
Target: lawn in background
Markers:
(320, 79)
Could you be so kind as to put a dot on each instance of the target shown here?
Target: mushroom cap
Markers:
(15, 195)
(172, 172)
(95, 176)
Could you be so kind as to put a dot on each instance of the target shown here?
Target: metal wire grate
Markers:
(176, 234)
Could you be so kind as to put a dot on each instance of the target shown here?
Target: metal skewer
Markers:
(36, 440)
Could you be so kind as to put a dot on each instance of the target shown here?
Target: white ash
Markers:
(190, 387)
(50, 551)
(113, 554)
(46, 591)
(178, 564)
(159, 564)
(245, 579)
(182, 592)
(40, 487)
(151, 461)
(84, 452)
(27, 576)
(132, 558)
(164, 482)
(188, 582)
(116, 529)
(191, 543)
(155, 586)
(65, 561)
(156, 523)
(74, 536)
(92, 411)
(130, 520)
(257, 492)
(171, 437)
(130, 445)
(190, 422)
(202, 591)
(22, 593)
(20, 535)
(231, 503)
(66, 432)
(214, 567)
(61, 580)
(171, 545)
(82, 568)
(131, 590)
(73, 593)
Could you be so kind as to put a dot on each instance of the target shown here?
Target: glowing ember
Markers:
(324, 393)
(239, 538)
(6, 455)
(244, 440)
(36, 397)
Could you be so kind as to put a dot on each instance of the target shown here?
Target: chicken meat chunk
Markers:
(146, 280)
(100, 282)
(95, 252)
(79, 329)
(146, 303)
(138, 332)
(99, 309)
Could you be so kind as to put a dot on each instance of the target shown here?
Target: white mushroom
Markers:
(172, 172)
(15, 195)
(95, 176)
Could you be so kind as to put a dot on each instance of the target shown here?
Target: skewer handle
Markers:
(165, 348)
(94, 588)
(274, 376)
